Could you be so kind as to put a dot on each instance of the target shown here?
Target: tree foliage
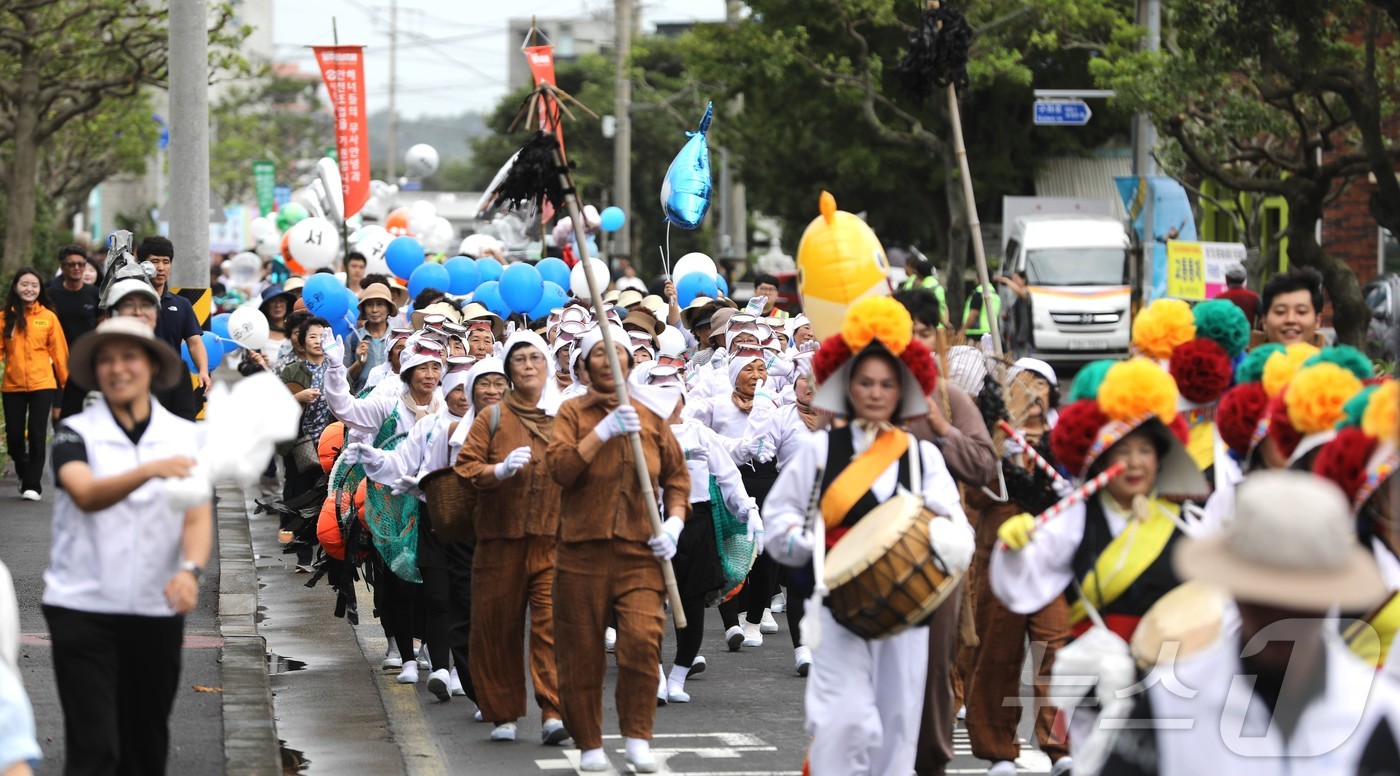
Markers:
(275, 117)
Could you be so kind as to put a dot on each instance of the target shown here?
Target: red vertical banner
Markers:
(343, 70)
(541, 59)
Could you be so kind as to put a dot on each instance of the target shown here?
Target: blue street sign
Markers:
(164, 141)
(1062, 113)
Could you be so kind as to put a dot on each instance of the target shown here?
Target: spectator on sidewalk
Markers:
(1238, 295)
(19, 749)
(36, 368)
(176, 321)
(124, 567)
(74, 299)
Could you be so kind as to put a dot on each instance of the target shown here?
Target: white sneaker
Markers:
(675, 693)
(1002, 768)
(593, 760)
(753, 636)
(391, 657)
(424, 662)
(454, 684)
(504, 732)
(1062, 766)
(477, 716)
(768, 624)
(609, 639)
(779, 603)
(30, 495)
(962, 713)
(803, 662)
(409, 674)
(734, 637)
(553, 733)
(697, 666)
(438, 684)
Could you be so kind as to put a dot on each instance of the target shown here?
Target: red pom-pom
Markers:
(1343, 460)
(831, 356)
(1281, 430)
(1180, 430)
(920, 361)
(1075, 433)
(1202, 370)
(1239, 413)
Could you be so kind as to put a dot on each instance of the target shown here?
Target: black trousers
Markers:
(117, 676)
(27, 415)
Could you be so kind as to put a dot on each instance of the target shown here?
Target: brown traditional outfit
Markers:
(517, 520)
(603, 566)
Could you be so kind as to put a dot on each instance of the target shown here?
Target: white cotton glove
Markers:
(405, 485)
(756, 305)
(763, 401)
(664, 546)
(793, 544)
(779, 365)
(623, 420)
(753, 529)
(952, 543)
(515, 460)
(699, 454)
(1062, 487)
(361, 453)
(1012, 447)
(757, 449)
(1100, 661)
(334, 348)
(809, 346)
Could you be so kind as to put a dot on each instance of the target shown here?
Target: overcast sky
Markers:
(452, 53)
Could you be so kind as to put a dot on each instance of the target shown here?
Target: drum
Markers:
(883, 575)
(452, 503)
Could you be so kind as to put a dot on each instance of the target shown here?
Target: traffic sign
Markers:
(1062, 113)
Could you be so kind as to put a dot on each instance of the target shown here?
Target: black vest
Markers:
(840, 451)
(1155, 582)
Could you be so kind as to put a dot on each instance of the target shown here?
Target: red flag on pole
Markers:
(343, 70)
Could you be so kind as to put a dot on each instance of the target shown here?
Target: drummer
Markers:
(864, 697)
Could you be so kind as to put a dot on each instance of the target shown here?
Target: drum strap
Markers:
(860, 475)
(1370, 637)
(1125, 559)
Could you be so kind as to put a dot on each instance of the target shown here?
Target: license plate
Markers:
(1088, 344)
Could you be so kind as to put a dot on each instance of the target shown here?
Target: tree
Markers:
(88, 150)
(276, 117)
(63, 60)
(1278, 99)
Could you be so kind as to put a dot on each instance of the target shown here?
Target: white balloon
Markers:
(310, 199)
(422, 216)
(579, 284)
(261, 226)
(479, 245)
(365, 233)
(440, 237)
(314, 242)
(269, 244)
(693, 262)
(373, 248)
(244, 268)
(420, 161)
(248, 327)
(332, 194)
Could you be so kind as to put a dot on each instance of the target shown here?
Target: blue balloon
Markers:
(490, 269)
(427, 276)
(488, 294)
(213, 348)
(187, 358)
(219, 325)
(403, 255)
(553, 296)
(554, 270)
(342, 326)
(521, 287)
(324, 296)
(693, 285)
(722, 284)
(685, 192)
(612, 218)
(463, 274)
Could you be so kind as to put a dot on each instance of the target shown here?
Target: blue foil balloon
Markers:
(685, 192)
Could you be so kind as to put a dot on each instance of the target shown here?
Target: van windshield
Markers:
(1077, 267)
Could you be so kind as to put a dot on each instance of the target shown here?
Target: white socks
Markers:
(638, 749)
(593, 760)
(676, 681)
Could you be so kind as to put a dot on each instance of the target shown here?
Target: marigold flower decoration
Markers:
(1344, 459)
(1251, 369)
(1163, 326)
(1317, 395)
(1202, 369)
(1137, 388)
(1076, 432)
(1382, 416)
(1238, 415)
(877, 318)
(1281, 367)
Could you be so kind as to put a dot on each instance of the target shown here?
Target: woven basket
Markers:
(452, 502)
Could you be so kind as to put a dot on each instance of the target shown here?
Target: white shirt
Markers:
(783, 431)
(363, 417)
(414, 454)
(119, 559)
(694, 436)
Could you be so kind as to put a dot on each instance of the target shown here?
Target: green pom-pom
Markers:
(1222, 321)
(1356, 407)
(1086, 383)
(1251, 369)
(1346, 357)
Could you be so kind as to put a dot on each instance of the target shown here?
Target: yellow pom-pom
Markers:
(1382, 417)
(1137, 388)
(1163, 325)
(877, 317)
(1281, 367)
(1316, 396)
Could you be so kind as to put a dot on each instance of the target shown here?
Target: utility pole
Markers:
(392, 176)
(1149, 15)
(622, 110)
(187, 210)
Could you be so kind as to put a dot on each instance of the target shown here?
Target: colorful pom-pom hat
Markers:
(1133, 394)
(1316, 397)
(875, 323)
(1365, 453)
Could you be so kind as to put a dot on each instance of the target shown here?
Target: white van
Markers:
(1078, 271)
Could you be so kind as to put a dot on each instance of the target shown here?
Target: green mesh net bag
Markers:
(736, 552)
(393, 520)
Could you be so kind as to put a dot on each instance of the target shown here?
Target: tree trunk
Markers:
(1350, 315)
(954, 282)
(22, 176)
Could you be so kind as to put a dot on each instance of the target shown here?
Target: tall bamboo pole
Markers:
(978, 250)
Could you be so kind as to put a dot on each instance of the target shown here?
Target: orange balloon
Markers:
(286, 251)
(332, 439)
(397, 223)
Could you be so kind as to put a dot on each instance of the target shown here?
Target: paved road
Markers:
(197, 721)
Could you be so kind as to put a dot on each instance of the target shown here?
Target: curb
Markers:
(250, 729)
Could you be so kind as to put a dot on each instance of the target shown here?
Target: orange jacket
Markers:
(36, 359)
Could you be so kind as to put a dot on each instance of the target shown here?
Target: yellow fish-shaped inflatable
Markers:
(839, 260)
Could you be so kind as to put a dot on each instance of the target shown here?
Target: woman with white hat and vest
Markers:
(124, 567)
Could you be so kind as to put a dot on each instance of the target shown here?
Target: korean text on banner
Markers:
(541, 60)
(264, 183)
(343, 70)
(1196, 270)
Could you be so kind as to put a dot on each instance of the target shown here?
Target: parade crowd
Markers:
(920, 510)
